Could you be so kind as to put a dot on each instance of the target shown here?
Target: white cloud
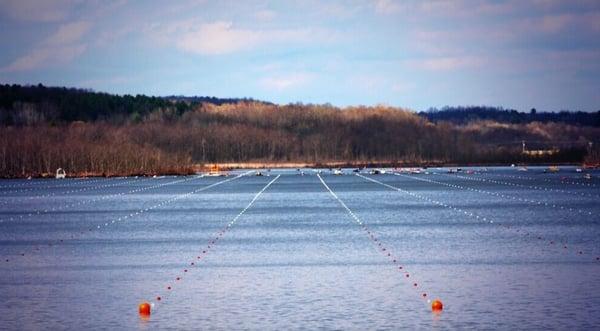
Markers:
(222, 37)
(68, 33)
(218, 38)
(48, 55)
(61, 47)
(284, 82)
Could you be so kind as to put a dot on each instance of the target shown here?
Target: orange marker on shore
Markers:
(437, 306)
(144, 309)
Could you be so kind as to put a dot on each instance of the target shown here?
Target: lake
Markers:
(502, 249)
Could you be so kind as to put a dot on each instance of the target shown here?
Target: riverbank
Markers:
(227, 166)
(368, 164)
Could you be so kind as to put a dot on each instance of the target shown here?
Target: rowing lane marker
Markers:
(470, 214)
(141, 211)
(436, 305)
(145, 307)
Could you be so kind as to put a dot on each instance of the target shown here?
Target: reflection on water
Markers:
(296, 259)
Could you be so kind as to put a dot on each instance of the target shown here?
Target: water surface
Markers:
(296, 259)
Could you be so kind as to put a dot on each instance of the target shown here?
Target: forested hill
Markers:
(25, 105)
(84, 132)
(464, 115)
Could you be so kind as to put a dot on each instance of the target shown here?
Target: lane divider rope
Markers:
(81, 202)
(71, 191)
(61, 182)
(384, 250)
(563, 180)
(141, 211)
(534, 187)
(201, 255)
(474, 215)
(506, 196)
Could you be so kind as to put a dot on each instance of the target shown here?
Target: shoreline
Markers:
(373, 164)
(227, 166)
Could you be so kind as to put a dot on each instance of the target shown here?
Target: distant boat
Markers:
(338, 172)
(522, 168)
(552, 169)
(60, 173)
(578, 170)
(414, 171)
(587, 176)
(258, 173)
(375, 172)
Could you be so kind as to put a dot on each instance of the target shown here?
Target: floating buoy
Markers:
(144, 309)
(437, 305)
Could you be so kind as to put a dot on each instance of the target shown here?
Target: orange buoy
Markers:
(437, 305)
(144, 309)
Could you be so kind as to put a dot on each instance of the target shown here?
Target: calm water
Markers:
(296, 259)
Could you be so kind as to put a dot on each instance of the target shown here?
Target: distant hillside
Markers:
(85, 132)
(464, 115)
(26, 105)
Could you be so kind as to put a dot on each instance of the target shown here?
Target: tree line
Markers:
(463, 115)
(147, 135)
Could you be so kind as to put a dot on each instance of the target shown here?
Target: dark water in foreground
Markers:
(296, 259)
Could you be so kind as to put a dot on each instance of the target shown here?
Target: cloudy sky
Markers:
(416, 54)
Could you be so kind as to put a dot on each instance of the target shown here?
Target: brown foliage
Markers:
(165, 142)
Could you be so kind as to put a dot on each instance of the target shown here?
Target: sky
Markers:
(414, 54)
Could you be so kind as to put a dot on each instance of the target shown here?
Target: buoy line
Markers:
(103, 197)
(68, 185)
(534, 187)
(162, 295)
(436, 304)
(77, 190)
(65, 182)
(141, 211)
(473, 215)
(82, 202)
(534, 202)
(506, 196)
(548, 180)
